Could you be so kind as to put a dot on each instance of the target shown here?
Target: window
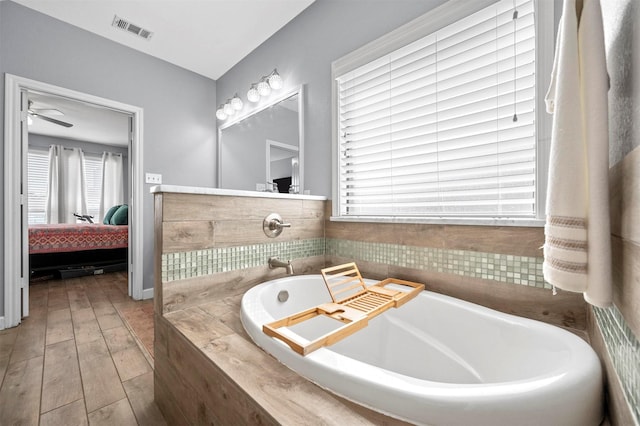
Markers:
(38, 176)
(445, 126)
(93, 180)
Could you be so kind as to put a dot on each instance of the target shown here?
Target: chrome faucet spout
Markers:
(274, 263)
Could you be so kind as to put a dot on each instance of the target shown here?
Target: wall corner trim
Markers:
(147, 293)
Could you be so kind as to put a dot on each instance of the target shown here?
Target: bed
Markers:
(78, 249)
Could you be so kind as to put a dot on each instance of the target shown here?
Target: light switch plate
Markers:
(154, 178)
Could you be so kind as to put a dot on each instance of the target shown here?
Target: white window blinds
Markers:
(38, 178)
(445, 126)
(93, 176)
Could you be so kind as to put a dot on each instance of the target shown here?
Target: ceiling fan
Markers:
(33, 112)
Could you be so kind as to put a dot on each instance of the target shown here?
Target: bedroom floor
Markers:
(77, 360)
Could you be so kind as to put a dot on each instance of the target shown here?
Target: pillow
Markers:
(110, 212)
(121, 216)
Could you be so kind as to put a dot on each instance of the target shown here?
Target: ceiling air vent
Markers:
(125, 25)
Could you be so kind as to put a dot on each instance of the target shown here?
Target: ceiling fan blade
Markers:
(48, 111)
(43, 109)
(52, 120)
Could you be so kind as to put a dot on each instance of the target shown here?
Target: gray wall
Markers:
(179, 106)
(44, 141)
(303, 51)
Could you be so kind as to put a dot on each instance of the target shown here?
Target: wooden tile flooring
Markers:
(74, 361)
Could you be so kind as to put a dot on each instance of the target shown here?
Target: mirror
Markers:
(282, 167)
(263, 150)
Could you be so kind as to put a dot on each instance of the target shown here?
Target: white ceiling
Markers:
(91, 123)
(207, 37)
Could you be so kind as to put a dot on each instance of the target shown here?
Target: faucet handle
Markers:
(272, 225)
(277, 224)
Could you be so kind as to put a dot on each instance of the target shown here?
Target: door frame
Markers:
(14, 157)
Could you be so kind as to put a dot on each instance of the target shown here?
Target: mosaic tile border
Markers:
(521, 270)
(511, 269)
(179, 266)
(624, 351)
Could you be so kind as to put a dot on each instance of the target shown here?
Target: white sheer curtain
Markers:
(112, 181)
(67, 189)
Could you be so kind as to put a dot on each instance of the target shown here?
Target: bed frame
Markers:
(72, 250)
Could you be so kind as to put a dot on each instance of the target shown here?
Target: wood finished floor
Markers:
(74, 361)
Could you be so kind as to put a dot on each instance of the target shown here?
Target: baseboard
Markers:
(147, 293)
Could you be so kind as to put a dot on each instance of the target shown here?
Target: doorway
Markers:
(16, 250)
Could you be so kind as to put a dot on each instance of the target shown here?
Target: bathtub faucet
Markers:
(274, 263)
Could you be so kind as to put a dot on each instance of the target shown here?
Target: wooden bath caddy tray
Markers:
(357, 305)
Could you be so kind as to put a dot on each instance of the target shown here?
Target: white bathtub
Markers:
(439, 360)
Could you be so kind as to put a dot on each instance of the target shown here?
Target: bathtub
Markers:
(438, 360)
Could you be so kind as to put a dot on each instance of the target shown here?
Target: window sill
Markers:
(528, 222)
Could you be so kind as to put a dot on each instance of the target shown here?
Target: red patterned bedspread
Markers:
(66, 237)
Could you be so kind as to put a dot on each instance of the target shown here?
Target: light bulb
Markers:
(221, 114)
(252, 94)
(236, 103)
(228, 109)
(264, 89)
(275, 81)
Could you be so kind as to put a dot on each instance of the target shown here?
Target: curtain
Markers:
(67, 189)
(112, 181)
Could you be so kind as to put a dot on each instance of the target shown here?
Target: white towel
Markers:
(577, 250)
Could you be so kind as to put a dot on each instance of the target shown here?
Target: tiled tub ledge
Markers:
(208, 371)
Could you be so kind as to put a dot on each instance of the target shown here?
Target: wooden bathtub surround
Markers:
(194, 222)
(186, 222)
(354, 310)
(209, 372)
(624, 191)
(207, 368)
(514, 240)
(183, 294)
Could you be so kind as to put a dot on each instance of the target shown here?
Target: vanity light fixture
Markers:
(257, 90)
(264, 87)
(228, 109)
(220, 114)
(252, 94)
(236, 102)
(275, 81)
